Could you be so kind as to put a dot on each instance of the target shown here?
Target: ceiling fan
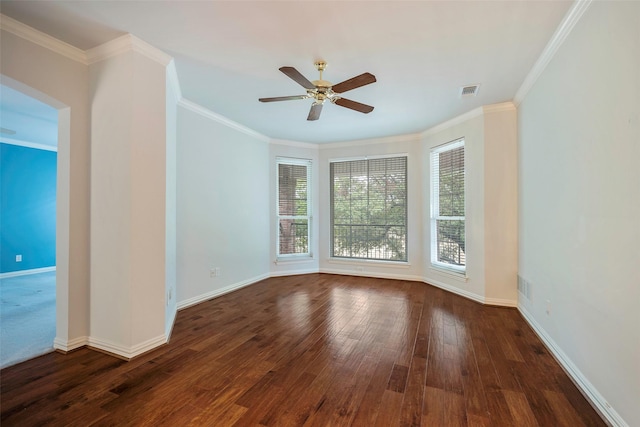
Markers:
(322, 90)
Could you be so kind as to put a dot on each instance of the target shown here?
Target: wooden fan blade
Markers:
(361, 80)
(363, 108)
(295, 75)
(283, 98)
(314, 113)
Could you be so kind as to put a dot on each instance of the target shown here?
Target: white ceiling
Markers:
(228, 53)
(31, 120)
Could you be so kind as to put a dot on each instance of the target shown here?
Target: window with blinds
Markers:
(369, 209)
(448, 206)
(294, 207)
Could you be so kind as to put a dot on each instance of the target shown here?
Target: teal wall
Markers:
(27, 208)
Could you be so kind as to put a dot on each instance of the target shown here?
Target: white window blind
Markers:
(294, 207)
(369, 209)
(448, 206)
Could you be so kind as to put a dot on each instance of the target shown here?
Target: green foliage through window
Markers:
(369, 209)
(293, 207)
(448, 206)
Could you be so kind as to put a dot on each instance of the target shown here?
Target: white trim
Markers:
(360, 262)
(454, 290)
(296, 144)
(501, 302)
(498, 108)
(69, 345)
(293, 272)
(26, 272)
(450, 145)
(460, 276)
(588, 390)
(308, 164)
(127, 352)
(174, 81)
(412, 137)
(42, 39)
(127, 43)
(28, 144)
(373, 274)
(219, 292)
(294, 259)
(452, 122)
(377, 156)
(172, 323)
(199, 109)
(569, 21)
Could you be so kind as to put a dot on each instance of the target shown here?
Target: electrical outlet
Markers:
(18, 258)
(218, 271)
(548, 310)
(214, 272)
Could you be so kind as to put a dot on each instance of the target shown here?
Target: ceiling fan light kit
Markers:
(321, 90)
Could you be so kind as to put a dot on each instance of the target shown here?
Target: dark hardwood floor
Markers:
(312, 350)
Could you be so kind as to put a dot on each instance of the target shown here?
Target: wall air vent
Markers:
(470, 90)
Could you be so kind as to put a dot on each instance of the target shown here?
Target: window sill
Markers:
(293, 260)
(355, 261)
(453, 274)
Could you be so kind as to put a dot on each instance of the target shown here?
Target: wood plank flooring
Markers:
(312, 350)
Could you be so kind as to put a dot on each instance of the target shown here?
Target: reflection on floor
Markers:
(27, 317)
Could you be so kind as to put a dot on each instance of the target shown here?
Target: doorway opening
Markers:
(28, 211)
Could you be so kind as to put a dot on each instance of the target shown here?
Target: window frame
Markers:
(348, 259)
(435, 207)
(308, 163)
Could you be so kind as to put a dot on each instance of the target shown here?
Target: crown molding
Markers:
(199, 109)
(28, 33)
(497, 108)
(476, 112)
(296, 144)
(174, 81)
(564, 29)
(127, 43)
(395, 139)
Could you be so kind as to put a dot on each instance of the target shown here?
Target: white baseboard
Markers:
(69, 345)
(376, 275)
(108, 346)
(454, 290)
(501, 302)
(293, 272)
(171, 324)
(219, 292)
(127, 352)
(587, 389)
(27, 272)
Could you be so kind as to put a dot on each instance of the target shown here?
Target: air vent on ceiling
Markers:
(470, 90)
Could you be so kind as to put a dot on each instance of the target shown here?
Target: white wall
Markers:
(295, 151)
(223, 213)
(579, 205)
(170, 197)
(491, 204)
(501, 204)
(62, 83)
(472, 130)
(128, 204)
